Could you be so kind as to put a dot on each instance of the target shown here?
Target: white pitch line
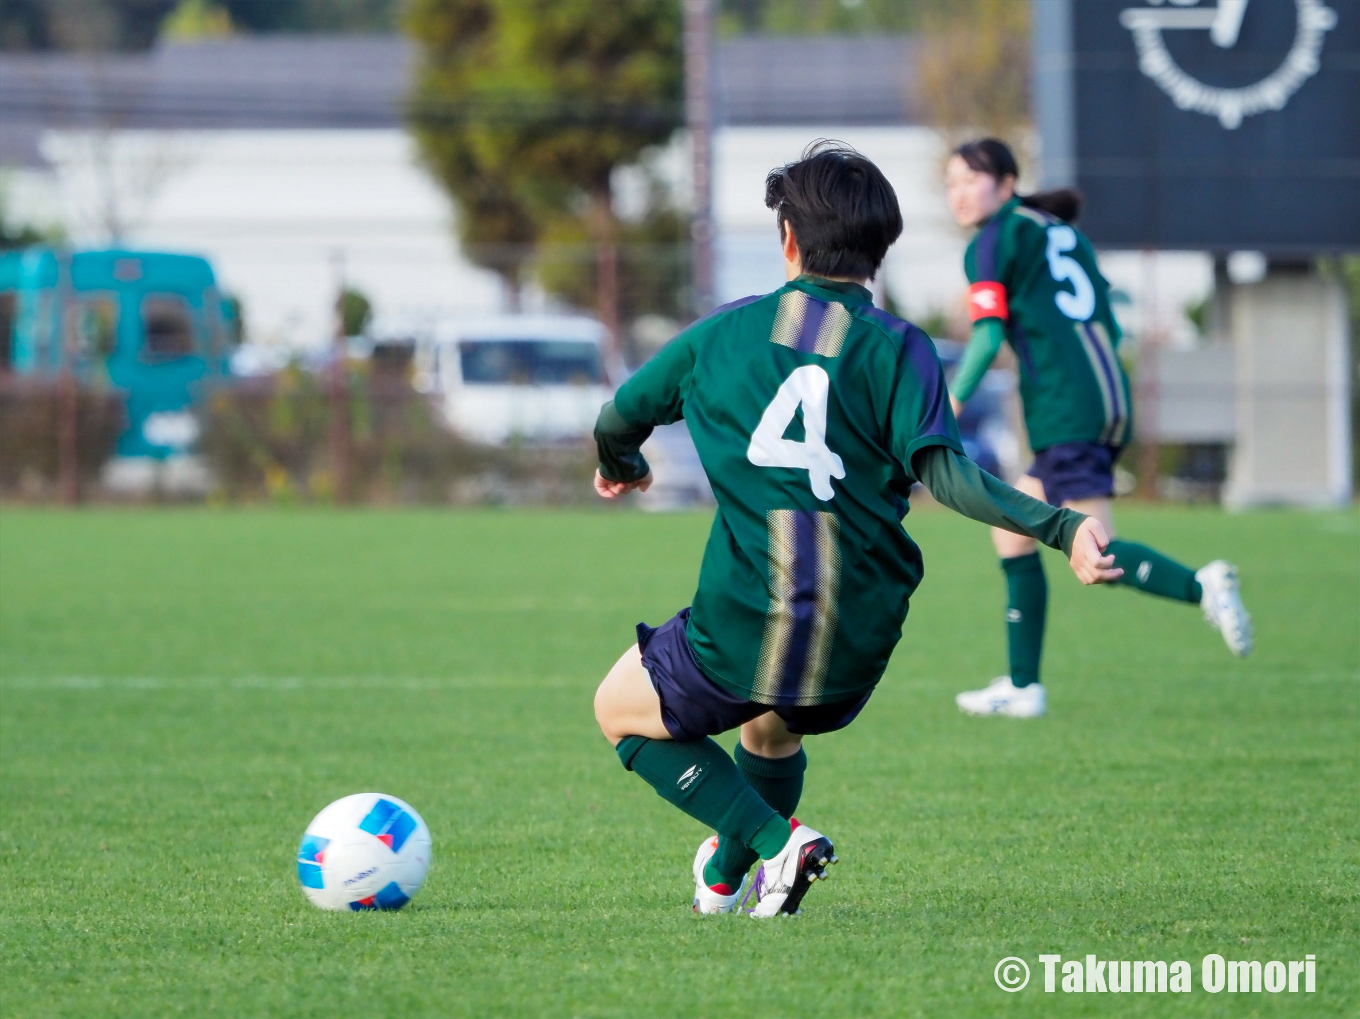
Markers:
(278, 683)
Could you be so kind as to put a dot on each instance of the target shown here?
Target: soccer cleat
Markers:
(1221, 601)
(712, 900)
(782, 882)
(1002, 697)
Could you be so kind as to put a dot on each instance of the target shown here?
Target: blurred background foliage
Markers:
(356, 311)
(30, 412)
(974, 68)
(265, 439)
(136, 24)
(523, 109)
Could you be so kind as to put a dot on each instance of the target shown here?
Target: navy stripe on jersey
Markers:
(802, 603)
(813, 313)
(804, 579)
(1020, 342)
(984, 251)
(740, 302)
(919, 351)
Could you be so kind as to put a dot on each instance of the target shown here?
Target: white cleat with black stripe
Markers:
(781, 882)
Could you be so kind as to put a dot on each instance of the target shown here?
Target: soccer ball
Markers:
(366, 851)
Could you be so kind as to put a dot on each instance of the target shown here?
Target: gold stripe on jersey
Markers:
(824, 623)
(774, 645)
(1102, 385)
(1121, 398)
(788, 319)
(1095, 341)
(1042, 218)
(791, 316)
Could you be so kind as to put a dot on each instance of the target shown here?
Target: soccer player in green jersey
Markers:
(813, 413)
(1035, 285)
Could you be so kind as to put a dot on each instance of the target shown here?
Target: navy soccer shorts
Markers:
(1075, 470)
(693, 706)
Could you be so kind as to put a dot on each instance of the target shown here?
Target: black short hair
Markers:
(994, 157)
(842, 209)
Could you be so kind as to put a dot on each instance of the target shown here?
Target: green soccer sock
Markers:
(779, 781)
(698, 777)
(1026, 610)
(1153, 573)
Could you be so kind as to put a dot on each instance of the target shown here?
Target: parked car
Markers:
(539, 378)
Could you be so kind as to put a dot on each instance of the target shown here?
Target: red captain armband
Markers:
(987, 300)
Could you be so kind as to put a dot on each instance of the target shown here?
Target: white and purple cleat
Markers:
(782, 881)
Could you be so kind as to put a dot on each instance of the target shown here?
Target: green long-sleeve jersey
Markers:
(1037, 277)
(807, 407)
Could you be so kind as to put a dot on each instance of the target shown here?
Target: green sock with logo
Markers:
(1026, 609)
(779, 781)
(698, 777)
(1153, 573)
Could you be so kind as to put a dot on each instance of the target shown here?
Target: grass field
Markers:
(182, 691)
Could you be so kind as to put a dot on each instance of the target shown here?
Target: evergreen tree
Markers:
(523, 108)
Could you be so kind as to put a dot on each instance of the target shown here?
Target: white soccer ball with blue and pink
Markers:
(366, 851)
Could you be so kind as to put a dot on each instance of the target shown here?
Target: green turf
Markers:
(182, 691)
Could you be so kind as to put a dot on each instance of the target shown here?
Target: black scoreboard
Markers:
(1199, 125)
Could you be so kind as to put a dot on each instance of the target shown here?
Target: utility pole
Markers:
(338, 391)
(699, 118)
(607, 275)
(68, 393)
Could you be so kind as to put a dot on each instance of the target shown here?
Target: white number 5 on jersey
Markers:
(808, 387)
(1081, 304)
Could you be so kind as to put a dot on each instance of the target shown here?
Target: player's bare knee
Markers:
(1009, 546)
(604, 711)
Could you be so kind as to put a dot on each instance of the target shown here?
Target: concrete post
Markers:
(699, 118)
(1291, 337)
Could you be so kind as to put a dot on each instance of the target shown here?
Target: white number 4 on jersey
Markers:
(808, 387)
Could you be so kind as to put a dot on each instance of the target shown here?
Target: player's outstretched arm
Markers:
(607, 489)
(1087, 558)
(983, 345)
(963, 486)
(623, 468)
(653, 396)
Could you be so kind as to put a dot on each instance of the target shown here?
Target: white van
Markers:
(541, 378)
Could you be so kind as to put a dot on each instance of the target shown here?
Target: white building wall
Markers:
(924, 270)
(273, 209)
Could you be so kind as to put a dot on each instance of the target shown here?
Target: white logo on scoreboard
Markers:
(1224, 22)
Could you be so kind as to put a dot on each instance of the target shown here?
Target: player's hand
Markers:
(613, 489)
(956, 406)
(1089, 561)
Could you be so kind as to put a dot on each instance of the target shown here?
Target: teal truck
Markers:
(151, 325)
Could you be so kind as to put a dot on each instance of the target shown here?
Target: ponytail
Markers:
(994, 157)
(1065, 203)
